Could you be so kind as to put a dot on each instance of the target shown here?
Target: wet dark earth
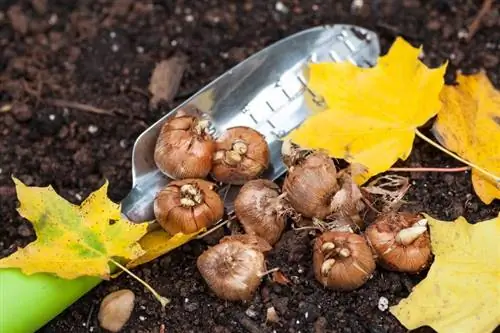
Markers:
(98, 55)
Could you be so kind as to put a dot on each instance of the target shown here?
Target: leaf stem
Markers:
(460, 169)
(438, 146)
(163, 300)
(220, 225)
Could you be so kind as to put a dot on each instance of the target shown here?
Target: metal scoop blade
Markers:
(267, 92)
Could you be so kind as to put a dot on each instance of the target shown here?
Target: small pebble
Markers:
(139, 49)
(115, 48)
(93, 129)
(383, 303)
(173, 42)
(280, 7)
(112, 34)
(142, 318)
(53, 19)
(462, 34)
(24, 230)
(189, 18)
(52, 117)
(251, 313)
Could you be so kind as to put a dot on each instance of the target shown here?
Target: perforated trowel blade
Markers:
(268, 92)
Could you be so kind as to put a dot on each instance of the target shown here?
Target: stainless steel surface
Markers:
(267, 92)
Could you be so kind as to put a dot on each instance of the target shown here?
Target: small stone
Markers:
(22, 112)
(24, 230)
(115, 310)
(383, 303)
(53, 19)
(142, 318)
(92, 129)
(280, 7)
(271, 315)
(251, 313)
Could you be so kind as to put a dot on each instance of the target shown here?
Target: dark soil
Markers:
(101, 53)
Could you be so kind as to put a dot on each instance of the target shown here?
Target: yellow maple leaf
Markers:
(469, 125)
(158, 242)
(461, 290)
(372, 113)
(73, 240)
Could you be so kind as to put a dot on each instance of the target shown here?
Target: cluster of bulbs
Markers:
(313, 189)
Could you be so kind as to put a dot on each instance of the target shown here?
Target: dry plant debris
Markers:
(372, 113)
(469, 124)
(462, 288)
(166, 78)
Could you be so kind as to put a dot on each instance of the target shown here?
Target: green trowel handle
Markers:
(29, 302)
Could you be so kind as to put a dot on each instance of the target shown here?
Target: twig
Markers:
(213, 229)
(163, 300)
(78, 106)
(272, 270)
(476, 23)
(443, 149)
(89, 316)
(459, 169)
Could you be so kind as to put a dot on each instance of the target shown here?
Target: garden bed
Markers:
(94, 53)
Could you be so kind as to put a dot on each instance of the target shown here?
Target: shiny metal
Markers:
(267, 92)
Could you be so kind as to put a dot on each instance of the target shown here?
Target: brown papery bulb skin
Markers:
(342, 260)
(311, 184)
(241, 154)
(254, 241)
(411, 257)
(184, 149)
(232, 269)
(187, 206)
(261, 209)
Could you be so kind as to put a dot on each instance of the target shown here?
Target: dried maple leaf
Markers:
(469, 124)
(72, 240)
(158, 242)
(372, 113)
(462, 288)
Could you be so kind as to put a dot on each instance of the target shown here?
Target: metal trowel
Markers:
(268, 92)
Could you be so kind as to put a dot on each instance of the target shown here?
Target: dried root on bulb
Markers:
(255, 242)
(233, 269)
(187, 206)
(241, 154)
(262, 209)
(184, 148)
(401, 241)
(342, 260)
